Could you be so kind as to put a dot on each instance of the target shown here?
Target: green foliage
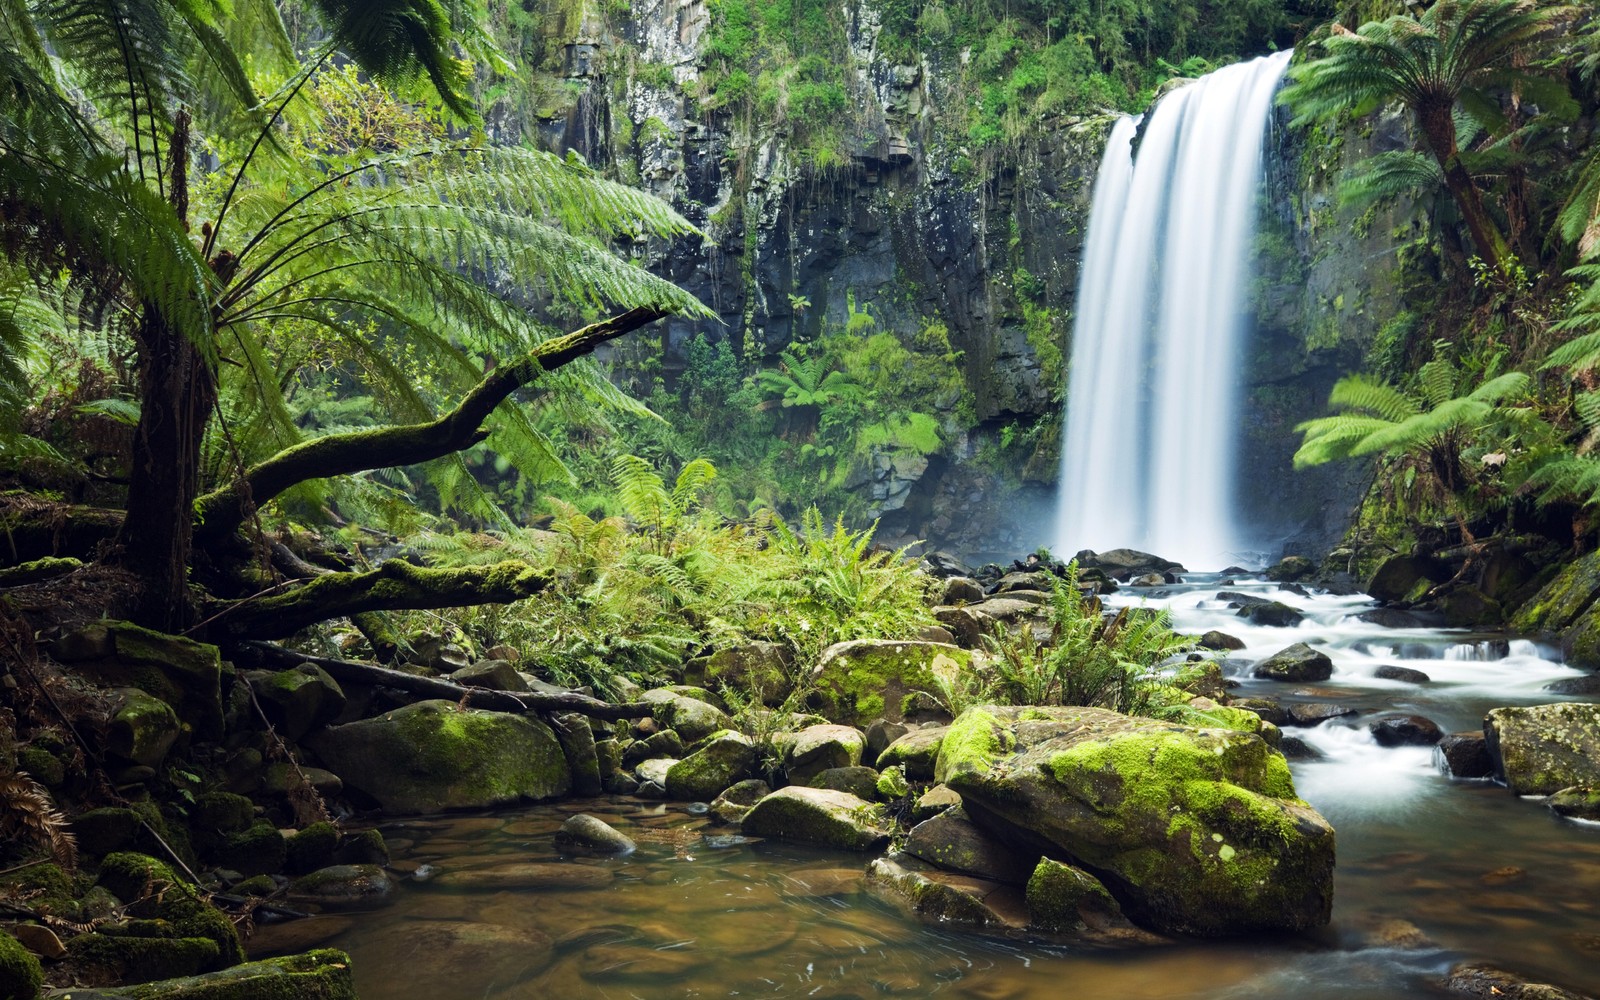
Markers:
(1088, 659)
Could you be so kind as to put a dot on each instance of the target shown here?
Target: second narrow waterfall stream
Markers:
(1430, 872)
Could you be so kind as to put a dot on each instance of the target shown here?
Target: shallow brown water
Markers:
(1474, 872)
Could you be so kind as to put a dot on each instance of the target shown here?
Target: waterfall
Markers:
(1153, 415)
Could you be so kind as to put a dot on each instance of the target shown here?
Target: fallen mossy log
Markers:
(31, 528)
(274, 656)
(393, 586)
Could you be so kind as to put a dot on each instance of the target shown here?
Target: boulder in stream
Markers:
(1220, 641)
(916, 751)
(725, 758)
(1390, 672)
(1298, 663)
(1580, 802)
(1274, 613)
(1464, 755)
(433, 756)
(864, 679)
(818, 816)
(1406, 731)
(1541, 749)
(1490, 983)
(588, 834)
(1193, 831)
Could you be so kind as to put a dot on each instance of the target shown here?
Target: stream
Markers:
(1431, 871)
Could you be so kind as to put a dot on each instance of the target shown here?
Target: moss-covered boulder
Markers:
(818, 816)
(433, 756)
(153, 893)
(1541, 749)
(1194, 831)
(953, 842)
(815, 749)
(20, 974)
(760, 669)
(298, 700)
(725, 758)
(257, 850)
(1298, 663)
(1559, 603)
(143, 727)
(315, 975)
(737, 800)
(123, 956)
(185, 674)
(943, 898)
(1579, 802)
(1404, 578)
(1291, 569)
(691, 718)
(311, 848)
(916, 751)
(576, 736)
(858, 681)
(344, 887)
(1067, 902)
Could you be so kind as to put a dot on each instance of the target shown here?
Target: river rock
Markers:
(815, 749)
(433, 756)
(1464, 755)
(1291, 569)
(916, 751)
(1123, 564)
(1194, 831)
(665, 743)
(576, 736)
(655, 771)
(1315, 713)
(953, 842)
(1298, 663)
(588, 834)
(1541, 749)
(451, 958)
(1406, 730)
(865, 679)
(1220, 641)
(966, 625)
(1393, 618)
(1581, 802)
(1589, 684)
(1403, 578)
(958, 590)
(1066, 901)
(185, 674)
(497, 675)
(723, 759)
(1274, 613)
(1033, 581)
(1269, 709)
(143, 727)
(344, 887)
(942, 898)
(1390, 672)
(862, 782)
(760, 669)
(525, 875)
(933, 802)
(1490, 983)
(297, 700)
(737, 800)
(818, 816)
(1295, 748)
(1469, 607)
(692, 718)
(880, 733)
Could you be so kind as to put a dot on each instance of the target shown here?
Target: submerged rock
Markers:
(315, 975)
(433, 756)
(1194, 831)
(1541, 749)
(1298, 663)
(344, 887)
(1490, 983)
(942, 898)
(1389, 672)
(818, 816)
(591, 835)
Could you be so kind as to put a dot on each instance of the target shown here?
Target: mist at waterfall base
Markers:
(1149, 459)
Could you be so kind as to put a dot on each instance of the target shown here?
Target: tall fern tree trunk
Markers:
(179, 392)
(1439, 130)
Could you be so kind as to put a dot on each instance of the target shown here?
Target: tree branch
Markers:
(394, 586)
(352, 672)
(224, 510)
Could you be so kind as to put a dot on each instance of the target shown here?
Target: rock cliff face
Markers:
(915, 222)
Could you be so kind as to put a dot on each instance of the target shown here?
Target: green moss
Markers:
(223, 812)
(140, 959)
(892, 784)
(862, 679)
(20, 974)
(975, 741)
(311, 848)
(316, 975)
(152, 890)
(1059, 895)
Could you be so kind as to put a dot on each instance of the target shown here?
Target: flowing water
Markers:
(1153, 390)
(1430, 872)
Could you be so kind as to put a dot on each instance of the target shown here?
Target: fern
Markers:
(27, 815)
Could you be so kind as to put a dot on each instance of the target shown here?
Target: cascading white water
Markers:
(1152, 425)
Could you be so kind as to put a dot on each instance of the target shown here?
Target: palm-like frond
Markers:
(1388, 175)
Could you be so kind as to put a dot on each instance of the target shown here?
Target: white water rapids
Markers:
(1152, 423)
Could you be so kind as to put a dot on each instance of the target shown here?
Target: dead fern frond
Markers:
(27, 814)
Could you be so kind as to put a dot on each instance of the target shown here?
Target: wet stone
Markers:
(1317, 712)
(587, 834)
(1464, 755)
(1390, 672)
(1406, 731)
